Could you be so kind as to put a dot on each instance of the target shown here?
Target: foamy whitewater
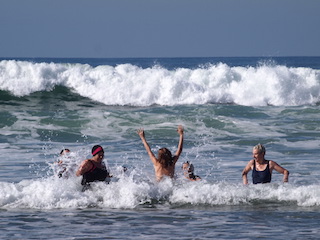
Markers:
(226, 105)
(127, 84)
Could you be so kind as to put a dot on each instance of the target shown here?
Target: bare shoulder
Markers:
(248, 167)
(272, 163)
(275, 166)
(250, 163)
(86, 162)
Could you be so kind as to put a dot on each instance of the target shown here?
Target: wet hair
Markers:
(165, 157)
(96, 149)
(63, 151)
(260, 148)
(191, 168)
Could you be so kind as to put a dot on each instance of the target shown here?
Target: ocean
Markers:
(226, 105)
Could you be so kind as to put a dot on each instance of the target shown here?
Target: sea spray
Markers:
(131, 85)
(130, 192)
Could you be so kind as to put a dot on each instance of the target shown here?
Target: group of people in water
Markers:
(164, 162)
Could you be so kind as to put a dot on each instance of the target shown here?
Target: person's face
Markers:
(256, 155)
(100, 155)
(185, 167)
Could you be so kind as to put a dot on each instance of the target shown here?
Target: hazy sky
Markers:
(159, 28)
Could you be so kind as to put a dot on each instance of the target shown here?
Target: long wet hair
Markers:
(165, 157)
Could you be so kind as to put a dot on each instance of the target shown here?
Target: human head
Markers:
(260, 148)
(186, 166)
(258, 152)
(96, 150)
(64, 151)
(165, 157)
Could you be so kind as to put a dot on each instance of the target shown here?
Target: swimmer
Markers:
(93, 169)
(63, 166)
(262, 168)
(188, 171)
(164, 164)
(63, 152)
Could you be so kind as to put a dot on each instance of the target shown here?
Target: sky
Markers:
(159, 28)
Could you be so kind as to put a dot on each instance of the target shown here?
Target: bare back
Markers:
(161, 171)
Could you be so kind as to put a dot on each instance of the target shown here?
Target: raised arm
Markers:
(280, 169)
(245, 172)
(180, 145)
(146, 145)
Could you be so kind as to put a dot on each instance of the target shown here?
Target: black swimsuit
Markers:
(95, 174)
(261, 176)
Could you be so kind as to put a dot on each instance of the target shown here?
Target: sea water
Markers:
(226, 105)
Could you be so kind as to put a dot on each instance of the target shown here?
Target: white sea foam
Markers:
(127, 84)
(130, 192)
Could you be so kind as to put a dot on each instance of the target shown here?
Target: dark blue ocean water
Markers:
(172, 63)
(227, 105)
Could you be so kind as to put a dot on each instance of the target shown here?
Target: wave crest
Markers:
(127, 84)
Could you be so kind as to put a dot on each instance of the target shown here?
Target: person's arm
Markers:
(280, 169)
(146, 146)
(245, 172)
(180, 145)
(84, 167)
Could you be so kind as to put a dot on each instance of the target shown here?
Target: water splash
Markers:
(127, 84)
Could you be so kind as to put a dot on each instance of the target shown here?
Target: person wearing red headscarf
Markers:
(93, 169)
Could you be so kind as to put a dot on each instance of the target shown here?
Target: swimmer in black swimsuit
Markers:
(93, 169)
(262, 168)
